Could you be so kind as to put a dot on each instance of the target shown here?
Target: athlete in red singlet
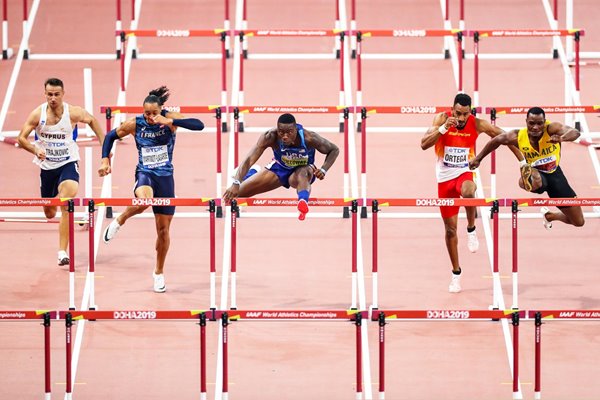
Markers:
(454, 134)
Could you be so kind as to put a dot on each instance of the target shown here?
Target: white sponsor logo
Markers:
(172, 33)
(447, 314)
(134, 315)
(435, 202)
(151, 202)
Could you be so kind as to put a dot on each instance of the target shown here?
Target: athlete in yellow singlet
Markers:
(540, 171)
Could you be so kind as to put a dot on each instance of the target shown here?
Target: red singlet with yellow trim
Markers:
(454, 150)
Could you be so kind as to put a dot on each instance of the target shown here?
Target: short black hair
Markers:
(463, 99)
(54, 82)
(286, 119)
(158, 96)
(536, 111)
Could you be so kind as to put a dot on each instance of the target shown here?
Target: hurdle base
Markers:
(93, 308)
(353, 54)
(446, 54)
(341, 127)
(337, 54)
(25, 54)
(495, 309)
(219, 212)
(555, 54)
(109, 212)
(134, 54)
(227, 54)
(6, 54)
(359, 127)
(240, 126)
(363, 212)
(224, 127)
(245, 53)
(118, 54)
(346, 212)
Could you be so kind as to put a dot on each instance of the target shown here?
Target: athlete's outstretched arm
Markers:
(433, 132)
(323, 146)
(494, 131)
(507, 139)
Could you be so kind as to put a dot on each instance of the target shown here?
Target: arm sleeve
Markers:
(108, 143)
(192, 124)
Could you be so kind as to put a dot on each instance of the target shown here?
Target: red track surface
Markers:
(285, 264)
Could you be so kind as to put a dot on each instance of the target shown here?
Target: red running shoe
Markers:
(303, 209)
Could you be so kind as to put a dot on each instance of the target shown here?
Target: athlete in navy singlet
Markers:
(154, 133)
(292, 165)
(56, 152)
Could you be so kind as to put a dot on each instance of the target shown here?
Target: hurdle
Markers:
(282, 202)
(119, 24)
(365, 111)
(579, 110)
(55, 202)
(36, 316)
(124, 35)
(266, 109)
(404, 33)
(558, 316)
(520, 33)
(585, 139)
(376, 205)
(7, 52)
(306, 33)
(157, 201)
(337, 27)
(354, 316)
(110, 112)
(383, 317)
(133, 315)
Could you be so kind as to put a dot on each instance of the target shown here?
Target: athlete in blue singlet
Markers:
(154, 133)
(56, 152)
(292, 165)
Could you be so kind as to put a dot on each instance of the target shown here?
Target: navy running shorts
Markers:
(162, 186)
(50, 179)
(283, 173)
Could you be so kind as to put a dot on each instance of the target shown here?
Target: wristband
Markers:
(442, 129)
(323, 170)
(522, 162)
(236, 182)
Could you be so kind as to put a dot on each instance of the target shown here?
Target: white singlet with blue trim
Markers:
(57, 140)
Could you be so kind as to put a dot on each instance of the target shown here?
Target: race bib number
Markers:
(57, 152)
(154, 156)
(456, 157)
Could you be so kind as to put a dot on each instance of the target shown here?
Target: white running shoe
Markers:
(472, 241)
(63, 258)
(111, 230)
(547, 224)
(454, 284)
(159, 283)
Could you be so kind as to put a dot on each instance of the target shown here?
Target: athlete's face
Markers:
(151, 110)
(287, 133)
(461, 113)
(535, 125)
(54, 96)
